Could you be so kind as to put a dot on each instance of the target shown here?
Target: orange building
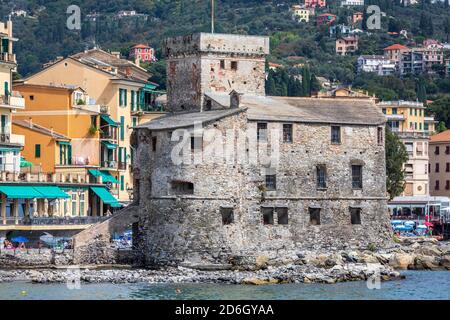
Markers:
(394, 52)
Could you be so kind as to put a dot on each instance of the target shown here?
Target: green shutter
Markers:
(69, 154)
(126, 94)
(37, 151)
(120, 97)
(120, 154)
(122, 183)
(122, 128)
(3, 123)
(134, 122)
(133, 93)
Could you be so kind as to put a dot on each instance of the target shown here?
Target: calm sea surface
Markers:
(417, 285)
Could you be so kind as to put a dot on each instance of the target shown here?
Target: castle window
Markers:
(261, 131)
(222, 64)
(436, 186)
(234, 65)
(335, 134)
(447, 167)
(208, 105)
(282, 214)
(380, 135)
(447, 185)
(287, 133)
(227, 215)
(447, 150)
(154, 143)
(182, 188)
(436, 151)
(321, 177)
(355, 215)
(314, 216)
(271, 182)
(267, 215)
(437, 167)
(357, 177)
(196, 143)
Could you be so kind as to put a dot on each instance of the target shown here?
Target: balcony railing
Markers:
(13, 100)
(110, 164)
(122, 166)
(53, 221)
(108, 134)
(8, 57)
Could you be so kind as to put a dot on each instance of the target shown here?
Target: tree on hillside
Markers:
(396, 157)
(441, 110)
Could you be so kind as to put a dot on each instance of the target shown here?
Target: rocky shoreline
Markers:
(305, 267)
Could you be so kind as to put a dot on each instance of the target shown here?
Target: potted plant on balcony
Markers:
(93, 130)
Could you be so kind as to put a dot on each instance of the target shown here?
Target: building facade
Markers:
(439, 150)
(346, 45)
(327, 187)
(300, 13)
(407, 120)
(10, 101)
(352, 3)
(315, 3)
(376, 64)
(142, 52)
(325, 19)
(122, 91)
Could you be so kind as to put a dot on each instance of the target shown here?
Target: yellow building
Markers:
(407, 120)
(10, 101)
(121, 90)
(300, 13)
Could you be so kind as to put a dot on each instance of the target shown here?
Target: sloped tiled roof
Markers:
(40, 129)
(395, 47)
(441, 137)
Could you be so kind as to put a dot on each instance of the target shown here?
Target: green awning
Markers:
(150, 86)
(51, 192)
(9, 149)
(65, 143)
(106, 197)
(109, 121)
(106, 176)
(24, 163)
(109, 145)
(20, 192)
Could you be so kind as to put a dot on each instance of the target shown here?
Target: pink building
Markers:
(142, 52)
(357, 16)
(315, 3)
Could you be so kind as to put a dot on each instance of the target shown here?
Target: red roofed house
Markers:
(346, 45)
(357, 16)
(394, 52)
(143, 53)
(325, 18)
(315, 3)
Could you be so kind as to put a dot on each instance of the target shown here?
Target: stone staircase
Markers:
(94, 245)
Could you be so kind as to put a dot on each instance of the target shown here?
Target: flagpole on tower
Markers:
(212, 16)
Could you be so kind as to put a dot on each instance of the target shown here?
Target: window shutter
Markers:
(37, 151)
(122, 183)
(122, 128)
(120, 154)
(125, 92)
(69, 154)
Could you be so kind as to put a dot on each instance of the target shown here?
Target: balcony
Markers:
(122, 166)
(17, 139)
(7, 57)
(109, 164)
(109, 133)
(57, 221)
(14, 100)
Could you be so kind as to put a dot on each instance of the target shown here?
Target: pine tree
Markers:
(396, 157)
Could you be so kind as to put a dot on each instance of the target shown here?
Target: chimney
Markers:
(116, 54)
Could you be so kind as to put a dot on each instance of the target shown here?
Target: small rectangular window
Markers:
(357, 177)
(321, 177)
(436, 186)
(37, 151)
(436, 151)
(287, 133)
(447, 150)
(271, 182)
(222, 64)
(314, 216)
(437, 167)
(447, 185)
(355, 215)
(154, 143)
(261, 133)
(380, 135)
(335, 134)
(196, 143)
(447, 167)
(227, 215)
(282, 214)
(267, 215)
(234, 65)
(182, 188)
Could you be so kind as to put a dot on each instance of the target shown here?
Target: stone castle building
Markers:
(324, 188)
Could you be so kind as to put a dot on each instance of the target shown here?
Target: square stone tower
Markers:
(205, 62)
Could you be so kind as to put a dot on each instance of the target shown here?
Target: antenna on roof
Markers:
(212, 16)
